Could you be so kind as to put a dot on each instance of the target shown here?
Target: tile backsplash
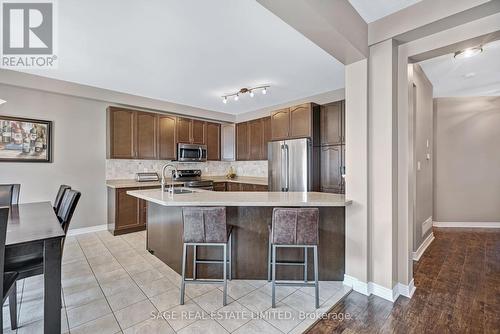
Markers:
(126, 169)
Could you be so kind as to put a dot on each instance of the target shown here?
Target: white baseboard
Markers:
(406, 290)
(378, 290)
(426, 225)
(468, 224)
(383, 292)
(357, 285)
(90, 229)
(420, 251)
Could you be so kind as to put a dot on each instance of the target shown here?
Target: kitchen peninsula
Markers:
(249, 213)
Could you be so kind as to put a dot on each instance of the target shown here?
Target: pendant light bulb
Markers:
(224, 99)
(252, 94)
(264, 91)
(236, 97)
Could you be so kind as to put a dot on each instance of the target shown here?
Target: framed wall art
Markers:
(25, 140)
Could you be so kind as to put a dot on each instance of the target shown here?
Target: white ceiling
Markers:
(475, 76)
(372, 10)
(190, 52)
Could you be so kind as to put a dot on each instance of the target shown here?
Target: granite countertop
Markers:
(131, 183)
(242, 198)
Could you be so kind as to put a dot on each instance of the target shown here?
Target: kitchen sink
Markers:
(180, 191)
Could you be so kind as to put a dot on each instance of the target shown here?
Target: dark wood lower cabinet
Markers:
(126, 213)
(219, 186)
(250, 240)
(332, 159)
(233, 186)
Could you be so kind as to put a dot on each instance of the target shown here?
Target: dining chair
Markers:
(9, 194)
(28, 263)
(59, 196)
(9, 278)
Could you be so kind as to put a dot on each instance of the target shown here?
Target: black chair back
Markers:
(67, 208)
(4, 215)
(9, 194)
(59, 196)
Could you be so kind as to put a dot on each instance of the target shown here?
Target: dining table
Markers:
(35, 226)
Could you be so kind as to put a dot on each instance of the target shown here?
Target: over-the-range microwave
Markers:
(191, 152)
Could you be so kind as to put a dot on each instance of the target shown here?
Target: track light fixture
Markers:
(467, 53)
(250, 91)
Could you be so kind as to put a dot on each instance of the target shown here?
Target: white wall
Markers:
(382, 174)
(467, 159)
(79, 151)
(422, 99)
(357, 170)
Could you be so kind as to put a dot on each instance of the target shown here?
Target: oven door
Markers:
(191, 153)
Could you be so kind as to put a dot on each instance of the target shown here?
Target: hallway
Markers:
(458, 291)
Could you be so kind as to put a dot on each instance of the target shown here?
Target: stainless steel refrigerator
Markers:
(293, 165)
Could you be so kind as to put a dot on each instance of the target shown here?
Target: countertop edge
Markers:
(138, 194)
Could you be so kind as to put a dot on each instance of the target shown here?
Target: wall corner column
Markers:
(357, 242)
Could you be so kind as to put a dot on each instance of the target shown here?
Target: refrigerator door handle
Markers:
(283, 172)
(287, 156)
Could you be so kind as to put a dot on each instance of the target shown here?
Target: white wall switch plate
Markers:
(418, 165)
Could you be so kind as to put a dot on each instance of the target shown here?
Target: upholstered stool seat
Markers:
(294, 228)
(206, 226)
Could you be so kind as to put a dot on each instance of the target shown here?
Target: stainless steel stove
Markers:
(192, 179)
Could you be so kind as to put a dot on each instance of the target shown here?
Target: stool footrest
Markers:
(302, 284)
(202, 281)
(211, 261)
(290, 263)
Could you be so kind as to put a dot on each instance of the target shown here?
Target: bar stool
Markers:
(206, 226)
(294, 228)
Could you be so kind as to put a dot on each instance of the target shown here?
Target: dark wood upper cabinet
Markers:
(332, 123)
(255, 139)
(280, 124)
(121, 135)
(166, 138)
(266, 125)
(252, 138)
(300, 121)
(242, 149)
(184, 129)
(191, 131)
(198, 131)
(213, 141)
(133, 134)
(146, 138)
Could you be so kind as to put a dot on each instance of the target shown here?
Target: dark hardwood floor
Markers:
(458, 291)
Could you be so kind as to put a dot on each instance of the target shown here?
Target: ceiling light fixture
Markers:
(250, 91)
(467, 53)
(2, 102)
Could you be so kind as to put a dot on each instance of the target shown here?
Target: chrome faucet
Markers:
(171, 177)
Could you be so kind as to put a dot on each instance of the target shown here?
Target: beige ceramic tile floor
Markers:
(113, 285)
